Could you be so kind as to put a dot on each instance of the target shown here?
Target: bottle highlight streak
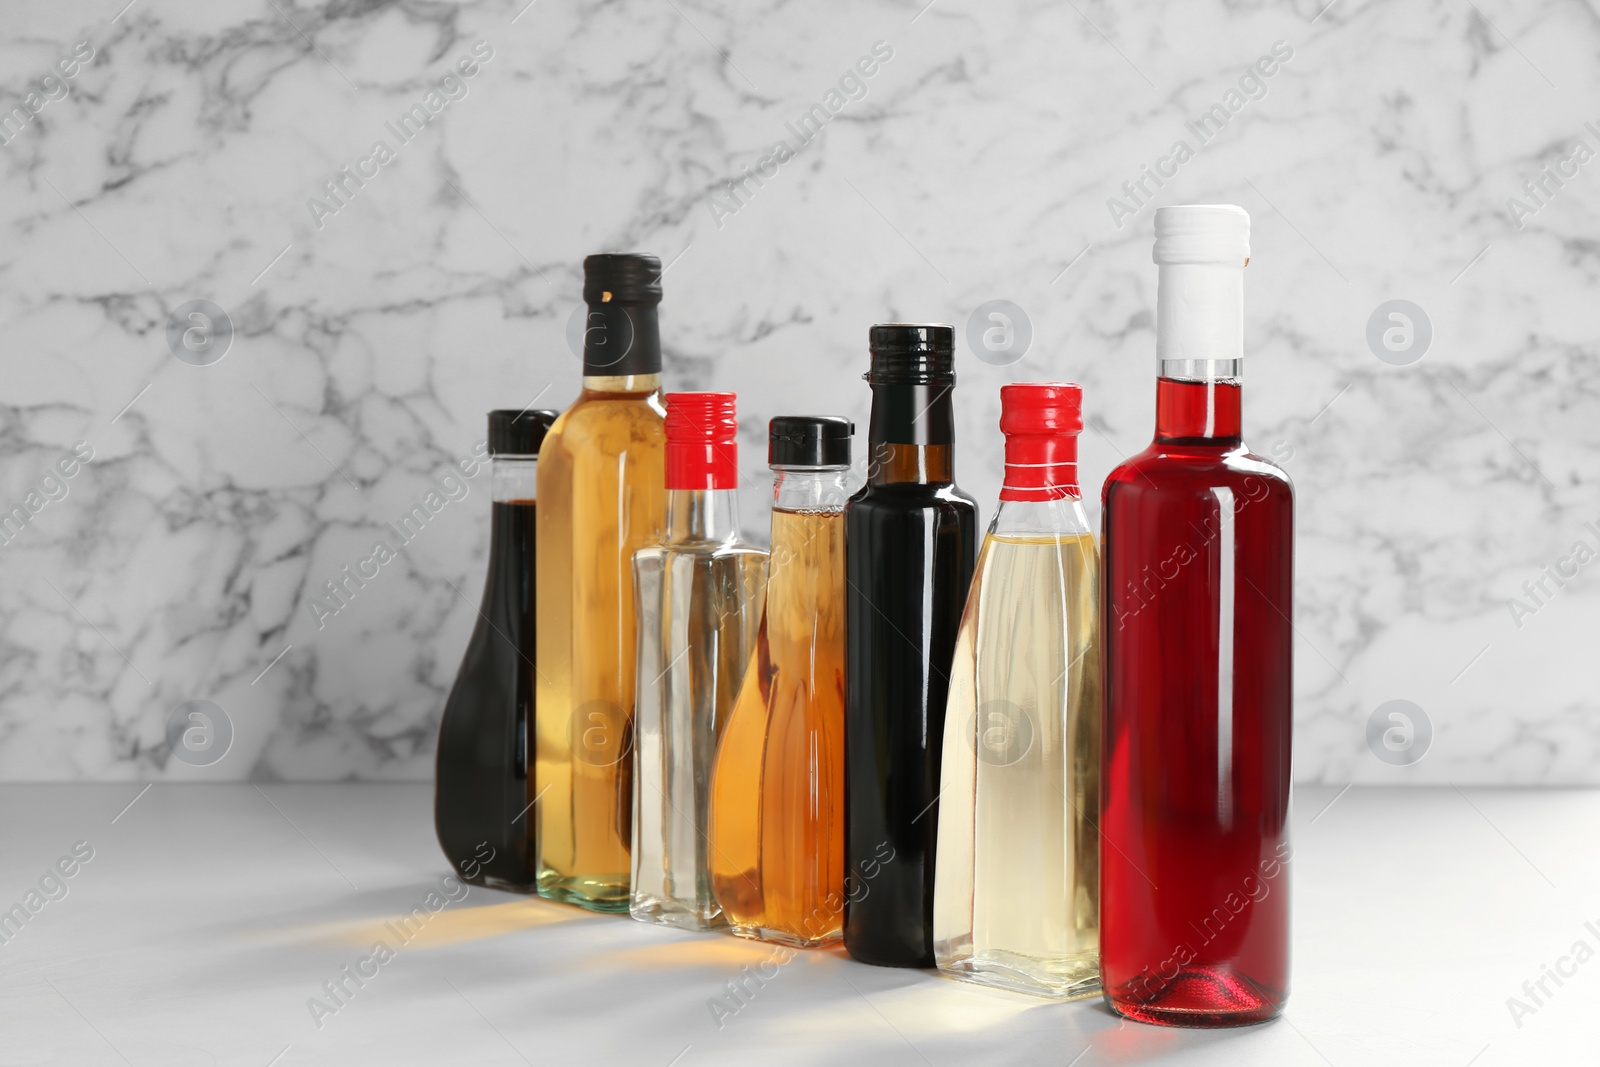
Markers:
(1199, 579)
(1017, 890)
(699, 598)
(777, 817)
(601, 498)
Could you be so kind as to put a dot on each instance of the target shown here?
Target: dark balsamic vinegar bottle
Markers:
(482, 789)
(911, 541)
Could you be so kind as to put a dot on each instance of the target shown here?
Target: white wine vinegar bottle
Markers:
(1016, 891)
(698, 597)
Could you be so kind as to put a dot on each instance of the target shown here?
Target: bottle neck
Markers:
(512, 479)
(621, 340)
(1200, 320)
(702, 515)
(911, 437)
(1041, 467)
(1197, 412)
(511, 547)
(621, 385)
(1200, 346)
(810, 488)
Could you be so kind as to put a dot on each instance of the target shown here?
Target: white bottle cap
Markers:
(1202, 233)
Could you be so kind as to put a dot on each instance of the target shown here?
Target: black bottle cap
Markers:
(912, 353)
(628, 278)
(519, 433)
(809, 441)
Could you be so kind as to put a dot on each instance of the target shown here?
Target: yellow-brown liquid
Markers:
(777, 805)
(1016, 902)
(601, 498)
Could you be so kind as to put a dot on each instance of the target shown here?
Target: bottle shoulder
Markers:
(608, 422)
(736, 551)
(1182, 468)
(912, 496)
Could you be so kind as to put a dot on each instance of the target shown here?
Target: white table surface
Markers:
(210, 915)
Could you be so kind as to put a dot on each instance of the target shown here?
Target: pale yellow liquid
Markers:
(601, 498)
(1017, 882)
(777, 802)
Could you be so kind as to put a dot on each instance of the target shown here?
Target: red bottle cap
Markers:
(702, 441)
(1041, 421)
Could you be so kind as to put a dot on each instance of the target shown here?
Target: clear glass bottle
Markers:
(1016, 897)
(1198, 549)
(777, 803)
(698, 597)
(600, 500)
(482, 788)
(911, 538)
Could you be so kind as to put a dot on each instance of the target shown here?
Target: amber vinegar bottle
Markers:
(777, 802)
(482, 788)
(910, 542)
(601, 499)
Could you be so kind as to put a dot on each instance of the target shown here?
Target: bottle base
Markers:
(526, 888)
(1202, 1000)
(867, 956)
(1073, 979)
(787, 938)
(674, 914)
(591, 894)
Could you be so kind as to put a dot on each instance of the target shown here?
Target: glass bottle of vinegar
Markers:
(1198, 549)
(1016, 900)
(777, 802)
(910, 539)
(482, 788)
(698, 596)
(600, 501)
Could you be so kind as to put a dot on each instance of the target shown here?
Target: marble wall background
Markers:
(976, 163)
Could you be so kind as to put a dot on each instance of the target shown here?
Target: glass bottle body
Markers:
(1198, 712)
(1017, 884)
(777, 821)
(910, 546)
(601, 500)
(482, 788)
(699, 606)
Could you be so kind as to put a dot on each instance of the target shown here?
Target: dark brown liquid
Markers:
(910, 544)
(483, 791)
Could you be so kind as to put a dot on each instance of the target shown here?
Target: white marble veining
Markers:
(1422, 151)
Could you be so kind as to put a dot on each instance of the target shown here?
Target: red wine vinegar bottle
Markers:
(911, 538)
(1198, 543)
(482, 788)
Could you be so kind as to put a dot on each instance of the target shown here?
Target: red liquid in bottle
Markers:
(1194, 887)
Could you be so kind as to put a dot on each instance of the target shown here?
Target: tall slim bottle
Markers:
(600, 501)
(1016, 898)
(777, 800)
(482, 788)
(910, 540)
(698, 595)
(1199, 532)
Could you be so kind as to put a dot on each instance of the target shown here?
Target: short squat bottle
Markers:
(698, 602)
(483, 791)
(1199, 538)
(1016, 902)
(910, 541)
(777, 804)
